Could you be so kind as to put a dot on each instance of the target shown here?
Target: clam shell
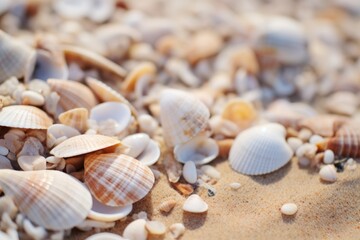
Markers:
(76, 118)
(73, 94)
(117, 179)
(147, 68)
(27, 117)
(182, 116)
(151, 154)
(200, 150)
(16, 59)
(260, 150)
(82, 144)
(137, 143)
(46, 198)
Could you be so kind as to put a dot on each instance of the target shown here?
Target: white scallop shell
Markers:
(200, 150)
(260, 150)
(182, 116)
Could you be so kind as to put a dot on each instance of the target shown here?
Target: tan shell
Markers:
(82, 144)
(46, 198)
(117, 179)
(140, 70)
(16, 59)
(73, 94)
(323, 125)
(27, 117)
(239, 111)
(76, 118)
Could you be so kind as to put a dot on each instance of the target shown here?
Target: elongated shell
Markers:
(50, 199)
(16, 59)
(260, 150)
(82, 144)
(28, 117)
(73, 94)
(182, 116)
(117, 179)
(76, 118)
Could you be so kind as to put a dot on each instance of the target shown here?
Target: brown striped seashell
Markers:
(323, 125)
(46, 198)
(28, 117)
(76, 118)
(147, 68)
(117, 179)
(16, 59)
(83, 144)
(73, 94)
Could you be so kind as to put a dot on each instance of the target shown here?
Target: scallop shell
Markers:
(239, 111)
(73, 94)
(147, 68)
(76, 118)
(260, 150)
(200, 150)
(182, 116)
(117, 179)
(82, 144)
(46, 198)
(16, 59)
(28, 117)
(323, 125)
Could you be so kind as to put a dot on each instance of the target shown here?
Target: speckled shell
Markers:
(46, 198)
(73, 94)
(28, 117)
(260, 150)
(16, 59)
(182, 116)
(117, 179)
(82, 144)
(76, 118)
(131, 79)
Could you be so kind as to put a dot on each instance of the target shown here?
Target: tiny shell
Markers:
(76, 118)
(189, 172)
(289, 209)
(140, 70)
(328, 173)
(136, 230)
(27, 117)
(167, 205)
(155, 227)
(235, 185)
(82, 144)
(328, 157)
(210, 171)
(137, 143)
(177, 229)
(260, 150)
(105, 236)
(239, 111)
(195, 204)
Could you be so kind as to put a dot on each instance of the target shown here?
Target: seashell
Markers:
(167, 205)
(46, 198)
(49, 65)
(224, 147)
(155, 227)
(16, 59)
(105, 236)
(176, 230)
(31, 163)
(151, 154)
(181, 70)
(56, 131)
(345, 103)
(189, 172)
(260, 150)
(32, 98)
(94, 60)
(73, 94)
(184, 189)
(107, 94)
(5, 163)
(76, 118)
(289, 209)
(172, 167)
(210, 171)
(28, 117)
(328, 173)
(147, 68)
(83, 144)
(240, 112)
(200, 150)
(194, 204)
(182, 116)
(136, 230)
(130, 180)
(324, 125)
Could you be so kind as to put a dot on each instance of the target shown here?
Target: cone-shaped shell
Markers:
(259, 150)
(82, 144)
(16, 59)
(28, 117)
(117, 179)
(73, 94)
(182, 116)
(76, 118)
(50, 199)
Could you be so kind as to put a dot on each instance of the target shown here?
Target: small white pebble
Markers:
(211, 171)
(155, 227)
(328, 173)
(303, 161)
(328, 156)
(350, 164)
(289, 209)
(189, 172)
(294, 143)
(314, 139)
(235, 185)
(136, 230)
(195, 204)
(306, 150)
(304, 134)
(142, 215)
(31, 163)
(4, 151)
(176, 230)
(32, 98)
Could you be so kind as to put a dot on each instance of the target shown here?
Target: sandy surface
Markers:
(325, 211)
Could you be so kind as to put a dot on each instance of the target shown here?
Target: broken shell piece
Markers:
(76, 118)
(182, 116)
(184, 189)
(177, 229)
(172, 167)
(105, 236)
(167, 205)
(210, 171)
(189, 172)
(260, 150)
(328, 173)
(155, 227)
(31, 163)
(136, 230)
(195, 204)
(56, 195)
(240, 112)
(138, 72)
(27, 117)
(200, 150)
(82, 144)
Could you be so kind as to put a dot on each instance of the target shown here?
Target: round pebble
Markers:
(235, 185)
(328, 173)
(294, 143)
(304, 134)
(328, 157)
(314, 139)
(289, 209)
(4, 151)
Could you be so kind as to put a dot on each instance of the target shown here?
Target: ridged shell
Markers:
(259, 150)
(323, 125)
(182, 116)
(16, 59)
(73, 94)
(76, 118)
(146, 68)
(28, 117)
(117, 179)
(50, 199)
(82, 144)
